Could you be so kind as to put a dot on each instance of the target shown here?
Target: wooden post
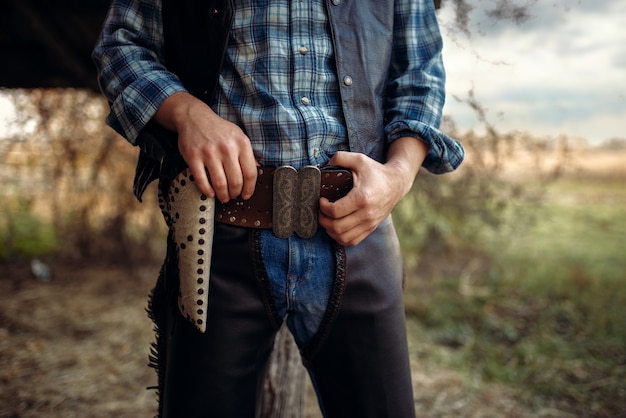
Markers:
(284, 388)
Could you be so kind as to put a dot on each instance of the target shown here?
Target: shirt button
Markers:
(316, 153)
(347, 80)
(305, 101)
(336, 2)
(303, 50)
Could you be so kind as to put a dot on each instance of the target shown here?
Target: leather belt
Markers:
(286, 200)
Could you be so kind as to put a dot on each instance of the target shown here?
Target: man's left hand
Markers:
(376, 191)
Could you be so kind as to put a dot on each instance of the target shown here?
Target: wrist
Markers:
(401, 177)
(176, 110)
(404, 158)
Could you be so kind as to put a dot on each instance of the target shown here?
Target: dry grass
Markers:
(77, 347)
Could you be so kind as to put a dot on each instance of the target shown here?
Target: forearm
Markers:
(179, 109)
(415, 92)
(129, 58)
(406, 155)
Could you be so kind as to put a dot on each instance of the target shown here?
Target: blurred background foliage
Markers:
(515, 264)
(67, 182)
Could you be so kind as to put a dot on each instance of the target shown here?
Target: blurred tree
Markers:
(75, 174)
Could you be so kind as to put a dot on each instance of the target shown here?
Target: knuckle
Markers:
(333, 212)
(250, 175)
(225, 148)
(219, 184)
(235, 185)
(371, 215)
(361, 200)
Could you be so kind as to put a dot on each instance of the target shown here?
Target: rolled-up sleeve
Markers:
(129, 58)
(416, 88)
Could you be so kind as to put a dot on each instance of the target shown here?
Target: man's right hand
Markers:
(217, 151)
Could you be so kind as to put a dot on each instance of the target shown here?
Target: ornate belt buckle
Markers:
(296, 201)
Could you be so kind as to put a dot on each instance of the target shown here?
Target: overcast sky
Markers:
(561, 71)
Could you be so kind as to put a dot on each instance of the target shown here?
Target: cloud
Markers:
(494, 18)
(619, 59)
(560, 71)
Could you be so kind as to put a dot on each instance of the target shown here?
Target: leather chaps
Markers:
(359, 362)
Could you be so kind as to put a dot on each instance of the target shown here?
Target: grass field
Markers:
(540, 306)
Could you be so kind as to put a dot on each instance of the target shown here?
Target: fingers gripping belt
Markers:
(191, 216)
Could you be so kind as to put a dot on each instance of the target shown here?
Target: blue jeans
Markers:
(301, 274)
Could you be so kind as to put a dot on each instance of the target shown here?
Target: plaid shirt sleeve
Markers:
(416, 92)
(129, 59)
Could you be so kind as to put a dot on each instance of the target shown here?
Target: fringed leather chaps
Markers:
(359, 359)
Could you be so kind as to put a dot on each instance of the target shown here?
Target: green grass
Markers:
(546, 311)
(23, 234)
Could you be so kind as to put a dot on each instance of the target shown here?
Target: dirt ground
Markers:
(77, 346)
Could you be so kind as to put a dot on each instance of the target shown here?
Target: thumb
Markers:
(345, 159)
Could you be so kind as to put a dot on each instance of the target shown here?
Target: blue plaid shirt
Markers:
(278, 80)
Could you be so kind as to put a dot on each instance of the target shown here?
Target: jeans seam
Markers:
(312, 348)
